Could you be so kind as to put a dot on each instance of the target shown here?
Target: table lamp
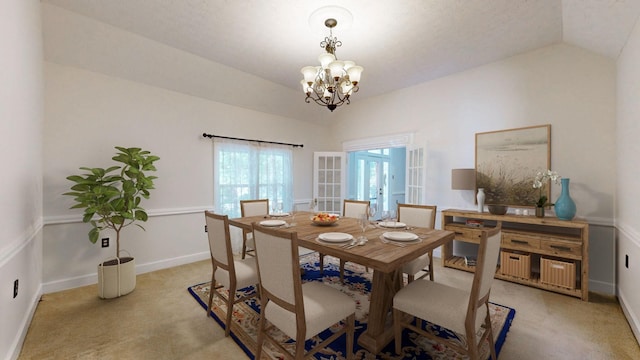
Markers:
(465, 179)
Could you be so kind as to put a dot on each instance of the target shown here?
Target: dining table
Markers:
(384, 257)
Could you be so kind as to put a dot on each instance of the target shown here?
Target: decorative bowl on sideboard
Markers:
(497, 209)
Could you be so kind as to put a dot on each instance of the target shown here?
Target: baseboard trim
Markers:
(90, 279)
(16, 347)
(631, 317)
(602, 287)
(168, 263)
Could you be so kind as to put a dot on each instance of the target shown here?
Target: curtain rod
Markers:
(210, 136)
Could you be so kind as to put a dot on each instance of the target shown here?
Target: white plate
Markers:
(279, 214)
(335, 237)
(392, 224)
(272, 222)
(400, 236)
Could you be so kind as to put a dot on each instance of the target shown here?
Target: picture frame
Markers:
(507, 162)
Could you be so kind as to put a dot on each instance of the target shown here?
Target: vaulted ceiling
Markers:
(399, 43)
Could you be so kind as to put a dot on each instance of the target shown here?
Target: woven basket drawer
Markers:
(558, 273)
(514, 264)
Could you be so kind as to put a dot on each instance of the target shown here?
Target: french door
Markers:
(371, 180)
(328, 181)
(415, 175)
(368, 180)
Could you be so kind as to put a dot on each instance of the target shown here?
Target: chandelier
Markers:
(332, 83)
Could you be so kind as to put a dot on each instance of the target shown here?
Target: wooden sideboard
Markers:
(545, 253)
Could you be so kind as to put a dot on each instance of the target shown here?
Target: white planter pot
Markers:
(116, 277)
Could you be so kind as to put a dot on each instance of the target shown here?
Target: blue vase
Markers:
(565, 207)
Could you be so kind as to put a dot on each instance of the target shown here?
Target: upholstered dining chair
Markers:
(231, 274)
(299, 310)
(355, 208)
(464, 311)
(351, 209)
(251, 208)
(420, 216)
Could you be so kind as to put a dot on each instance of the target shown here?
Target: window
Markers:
(245, 171)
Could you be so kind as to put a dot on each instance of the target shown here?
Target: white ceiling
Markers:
(399, 43)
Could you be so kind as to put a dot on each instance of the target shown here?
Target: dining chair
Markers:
(231, 274)
(299, 310)
(463, 311)
(251, 208)
(420, 216)
(355, 208)
(352, 209)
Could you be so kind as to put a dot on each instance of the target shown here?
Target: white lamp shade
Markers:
(354, 73)
(463, 179)
(337, 68)
(348, 64)
(346, 88)
(305, 86)
(326, 59)
(309, 73)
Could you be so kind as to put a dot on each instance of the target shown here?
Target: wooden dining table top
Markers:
(376, 254)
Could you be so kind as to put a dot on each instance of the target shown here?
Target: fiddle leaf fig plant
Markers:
(111, 197)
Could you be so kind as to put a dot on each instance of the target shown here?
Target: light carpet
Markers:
(357, 285)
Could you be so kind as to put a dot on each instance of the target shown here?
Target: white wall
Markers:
(572, 89)
(21, 158)
(628, 193)
(88, 113)
(107, 87)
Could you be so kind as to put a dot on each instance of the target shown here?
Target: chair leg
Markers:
(342, 262)
(230, 301)
(472, 347)
(212, 288)
(492, 344)
(244, 244)
(397, 330)
(431, 271)
(299, 351)
(321, 263)
(430, 265)
(410, 278)
(351, 321)
(261, 323)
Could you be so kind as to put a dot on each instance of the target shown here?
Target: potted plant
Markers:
(542, 178)
(111, 200)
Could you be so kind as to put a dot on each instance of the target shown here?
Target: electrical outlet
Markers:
(205, 228)
(626, 261)
(105, 242)
(15, 288)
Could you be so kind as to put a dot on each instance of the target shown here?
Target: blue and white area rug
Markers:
(358, 286)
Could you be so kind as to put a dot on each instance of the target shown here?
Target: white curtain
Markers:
(246, 170)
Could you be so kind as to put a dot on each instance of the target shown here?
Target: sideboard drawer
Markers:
(562, 247)
(520, 241)
(465, 233)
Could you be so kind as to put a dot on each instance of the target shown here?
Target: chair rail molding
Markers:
(630, 233)
(20, 242)
(77, 218)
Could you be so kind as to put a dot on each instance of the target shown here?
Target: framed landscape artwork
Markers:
(507, 162)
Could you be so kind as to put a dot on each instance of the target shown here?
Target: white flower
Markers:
(544, 176)
(541, 178)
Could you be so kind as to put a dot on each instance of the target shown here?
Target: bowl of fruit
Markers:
(324, 219)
